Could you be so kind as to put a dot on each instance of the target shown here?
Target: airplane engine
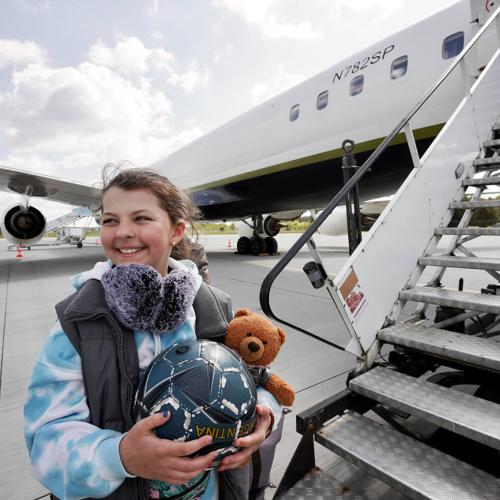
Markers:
(335, 224)
(22, 225)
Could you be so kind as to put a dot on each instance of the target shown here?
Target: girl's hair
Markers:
(173, 200)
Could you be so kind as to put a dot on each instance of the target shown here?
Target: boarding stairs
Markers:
(421, 410)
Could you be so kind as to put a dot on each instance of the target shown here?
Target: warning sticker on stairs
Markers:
(353, 296)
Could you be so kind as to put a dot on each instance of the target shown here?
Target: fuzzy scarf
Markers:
(142, 299)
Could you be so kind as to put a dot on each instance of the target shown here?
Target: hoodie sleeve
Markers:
(69, 456)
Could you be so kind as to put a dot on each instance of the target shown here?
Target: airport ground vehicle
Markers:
(458, 457)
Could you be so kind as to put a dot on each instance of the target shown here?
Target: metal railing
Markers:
(404, 125)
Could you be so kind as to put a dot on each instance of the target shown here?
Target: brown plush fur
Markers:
(258, 342)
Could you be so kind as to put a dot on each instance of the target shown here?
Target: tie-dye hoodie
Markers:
(71, 457)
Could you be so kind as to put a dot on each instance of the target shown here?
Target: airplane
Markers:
(284, 156)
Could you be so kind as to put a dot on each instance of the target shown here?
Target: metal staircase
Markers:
(402, 419)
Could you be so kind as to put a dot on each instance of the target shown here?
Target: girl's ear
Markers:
(178, 232)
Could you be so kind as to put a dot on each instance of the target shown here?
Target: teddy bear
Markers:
(258, 342)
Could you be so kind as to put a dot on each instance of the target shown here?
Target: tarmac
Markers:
(30, 287)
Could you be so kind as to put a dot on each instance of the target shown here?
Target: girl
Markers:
(78, 424)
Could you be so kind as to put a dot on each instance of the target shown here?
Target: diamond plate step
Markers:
(484, 181)
(483, 164)
(409, 466)
(451, 298)
(472, 351)
(475, 204)
(456, 411)
(319, 485)
(492, 143)
(469, 231)
(489, 264)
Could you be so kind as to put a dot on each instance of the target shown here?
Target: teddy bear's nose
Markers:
(253, 346)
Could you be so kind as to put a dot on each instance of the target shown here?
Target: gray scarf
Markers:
(142, 299)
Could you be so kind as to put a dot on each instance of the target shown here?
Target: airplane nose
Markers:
(253, 346)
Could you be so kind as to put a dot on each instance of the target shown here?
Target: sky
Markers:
(87, 82)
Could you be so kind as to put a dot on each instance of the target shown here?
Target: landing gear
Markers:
(256, 244)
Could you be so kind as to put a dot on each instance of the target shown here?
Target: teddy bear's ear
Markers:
(243, 312)
(282, 334)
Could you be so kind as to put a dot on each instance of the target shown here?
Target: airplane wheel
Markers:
(79, 245)
(272, 245)
(257, 245)
(243, 245)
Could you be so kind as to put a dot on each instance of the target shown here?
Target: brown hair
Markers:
(173, 200)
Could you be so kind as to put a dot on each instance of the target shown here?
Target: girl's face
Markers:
(136, 229)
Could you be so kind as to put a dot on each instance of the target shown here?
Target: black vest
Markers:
(110, 367)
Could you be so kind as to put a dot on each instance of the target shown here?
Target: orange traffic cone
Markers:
(229, 243)
(19, 252)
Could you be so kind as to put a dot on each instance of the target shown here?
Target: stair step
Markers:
(484, 181)
(451, 298)
(409, 466)
(475, 204)
(482, 164)
(489, 264)
(318, 484)
(492, 143)
(469, 231)
(477, 352)
(456, 411)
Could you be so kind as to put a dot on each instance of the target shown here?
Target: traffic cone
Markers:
(19, 252)
(229, 243)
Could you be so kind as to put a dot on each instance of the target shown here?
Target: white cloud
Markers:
(70, 121)
(271, 17)
(192, 79)
(34, 6)
(153, 8)
(221, 54)
(18, 53)
(278, 83)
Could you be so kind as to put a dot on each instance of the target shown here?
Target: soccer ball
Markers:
(208, 391)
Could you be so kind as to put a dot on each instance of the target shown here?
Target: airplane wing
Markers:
(50, 188)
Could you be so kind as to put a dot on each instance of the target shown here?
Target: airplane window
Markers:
(357, 84)
(294, 112)
(453, 45)
(322, 101)
(399, 67)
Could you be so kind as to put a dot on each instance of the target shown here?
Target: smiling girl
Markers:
(79, 425)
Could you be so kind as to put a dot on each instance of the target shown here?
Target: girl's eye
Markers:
(141, 218)
(108, 221)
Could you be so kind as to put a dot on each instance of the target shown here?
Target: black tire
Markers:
(79, 245)
(271, 245)
(243, 245)
(257, 245)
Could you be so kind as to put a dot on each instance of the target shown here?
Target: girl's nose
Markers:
(125, 230)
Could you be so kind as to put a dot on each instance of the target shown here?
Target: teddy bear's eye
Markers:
(249, 334)
(265, 342)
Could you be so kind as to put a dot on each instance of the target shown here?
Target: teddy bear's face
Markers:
(255, 338)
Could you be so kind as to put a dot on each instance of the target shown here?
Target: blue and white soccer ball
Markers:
(208, 391)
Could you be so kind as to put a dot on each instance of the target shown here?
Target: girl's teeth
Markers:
(130, 250)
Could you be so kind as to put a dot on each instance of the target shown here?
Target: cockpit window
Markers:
(453, 45)
(357, 84)
(294, 112)
(399, 67)
(322, 101)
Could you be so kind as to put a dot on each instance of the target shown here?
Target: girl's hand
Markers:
(249, 443)
(145, 455)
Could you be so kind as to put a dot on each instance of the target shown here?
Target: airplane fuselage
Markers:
(286, 153)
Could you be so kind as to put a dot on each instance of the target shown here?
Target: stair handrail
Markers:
(308, 233)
